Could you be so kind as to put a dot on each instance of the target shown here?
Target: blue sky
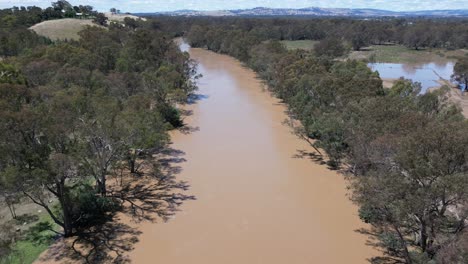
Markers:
(169, 5)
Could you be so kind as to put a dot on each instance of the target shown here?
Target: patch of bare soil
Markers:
(146, 197)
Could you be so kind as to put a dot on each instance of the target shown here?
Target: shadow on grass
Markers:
(155, 197)
(107, 243)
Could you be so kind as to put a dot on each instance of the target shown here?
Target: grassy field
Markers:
(299, 44)
(26, 252)
(32, 242)
(401, 54)
(62, 29)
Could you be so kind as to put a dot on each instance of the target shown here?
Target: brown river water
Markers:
(258, 200)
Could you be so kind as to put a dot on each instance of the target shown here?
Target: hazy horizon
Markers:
(146, 6)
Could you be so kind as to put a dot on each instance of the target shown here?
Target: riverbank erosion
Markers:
(455, 95)
(262, 194)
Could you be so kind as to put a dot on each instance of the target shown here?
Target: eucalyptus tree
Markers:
(416, 199)
(460, 72)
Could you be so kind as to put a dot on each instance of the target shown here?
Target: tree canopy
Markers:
(73, 113)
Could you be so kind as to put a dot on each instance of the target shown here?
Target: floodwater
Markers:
(259, 197)
(426, 74)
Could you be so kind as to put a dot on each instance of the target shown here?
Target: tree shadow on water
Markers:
(313, 156)
(194, 98)
(154, 197)
(186, 130)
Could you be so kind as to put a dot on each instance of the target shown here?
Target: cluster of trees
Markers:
(73, 113)
(16, 38)
(30, 15)
(406, 152)
(413, 33)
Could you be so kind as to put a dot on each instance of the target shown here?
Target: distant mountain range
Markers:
(315, 11)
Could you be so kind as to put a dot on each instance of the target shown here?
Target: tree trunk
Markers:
(131, 163)
(405, 247)
(102, 184)
(44, 205)
(11, 207)
(67, 218)
(423, 237)
(65, 205)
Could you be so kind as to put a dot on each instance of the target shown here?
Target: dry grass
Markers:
(62, 29)
(299, 44)
(121, 17)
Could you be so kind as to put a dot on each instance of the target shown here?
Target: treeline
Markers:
(31, 15)
(413, 33)
(74, 113)
(15, 36)
(406, 152)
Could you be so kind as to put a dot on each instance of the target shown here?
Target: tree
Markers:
(414, 196)
(70, 13)
(460, 72)
(70, 113)
(416, 36)
(455, 251)
(103, 145)
(100, 19)
(8, 237)
(196, 36)
(87, 10)
(9, 74)
(144, 130)
(52, 13)
(9, 191)
(62, 5)
(330, 47)
(359, 35)
(131, 23)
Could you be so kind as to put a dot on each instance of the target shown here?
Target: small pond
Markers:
(426, 74)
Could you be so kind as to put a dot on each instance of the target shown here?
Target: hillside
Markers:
(121, 17)
(62, 29)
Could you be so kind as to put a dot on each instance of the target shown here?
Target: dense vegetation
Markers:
(14, 23)
(406, 152)
(31, 15)
(74, 113)
(357, 33)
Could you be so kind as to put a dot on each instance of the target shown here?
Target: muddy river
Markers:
(260, 199)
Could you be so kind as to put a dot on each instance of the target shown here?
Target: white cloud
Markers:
(167, 5)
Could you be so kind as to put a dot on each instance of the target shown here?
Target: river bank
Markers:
(262, 194)
(454, 94)
(432, 76)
